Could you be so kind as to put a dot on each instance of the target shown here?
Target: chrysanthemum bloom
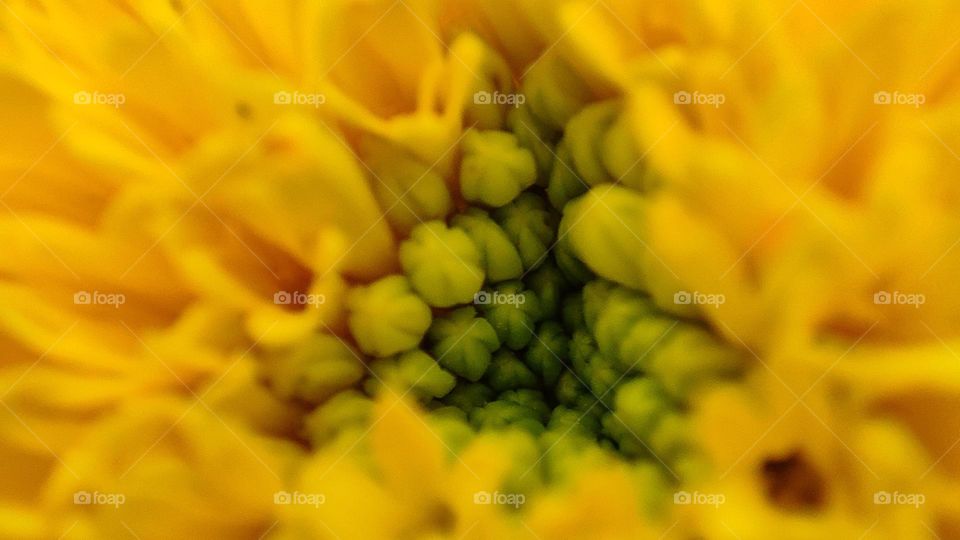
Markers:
(472, 269)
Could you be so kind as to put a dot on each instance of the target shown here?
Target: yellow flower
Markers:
(167, 468)
(406, 481)
(801, 170)
(602, 502)
(146, 255)
(818, 466)
(772, 167)
(403, 481)
(642, 269)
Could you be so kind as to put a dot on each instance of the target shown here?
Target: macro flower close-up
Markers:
(479, 269)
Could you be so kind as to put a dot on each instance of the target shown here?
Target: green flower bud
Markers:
(495, 168)
(582, 347)
(690, 357)
(573, 312)
(570, 434)
(584, 136)
(387, 317)
(463, 343)
(591, 408)
(640, 404)
(469, 396)
(347, 410)
(566, 419)
(605, 230)
(602, 375)
(546, 352)
(449, 412)
(569, 264)
(627, 443)
(621, 157)
(529, 398)
(313, 370)
(452, 426)
(501, 260)
(530, 226)
(564, 184)
(623, 312)
(548, 283)
(623, 307)
(569, 388)
(415, 370)
(554, 91)
(671, 438)
(507, 372)
(443, 264)
(502, 414)
(642, 339)
(512, 312)
(595, 294)
(535, 137)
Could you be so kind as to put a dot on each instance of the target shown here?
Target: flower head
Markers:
(430, 268)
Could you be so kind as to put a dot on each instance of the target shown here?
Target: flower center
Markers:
(498, 323)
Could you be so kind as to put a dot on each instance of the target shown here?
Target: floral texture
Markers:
(479, 269)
